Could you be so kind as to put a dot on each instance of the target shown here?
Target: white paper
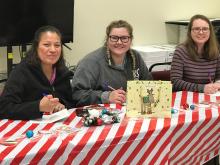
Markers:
(53, 117)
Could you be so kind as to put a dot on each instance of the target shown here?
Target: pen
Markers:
(110, 87)
(210, 78)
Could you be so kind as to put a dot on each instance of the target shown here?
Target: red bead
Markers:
(185, 106)
(99, 121)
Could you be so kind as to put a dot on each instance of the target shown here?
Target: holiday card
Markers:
(149, 99)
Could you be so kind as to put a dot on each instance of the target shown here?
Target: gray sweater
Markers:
(94, 74)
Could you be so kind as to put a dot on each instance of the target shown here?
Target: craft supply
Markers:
(173, 111)
(192, 107)
(29, 134)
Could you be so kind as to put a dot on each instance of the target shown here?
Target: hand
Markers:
(211, 88)
(48, 104)
(59, 107)
(117, 96)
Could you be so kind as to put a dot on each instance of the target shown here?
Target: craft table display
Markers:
(189, 137)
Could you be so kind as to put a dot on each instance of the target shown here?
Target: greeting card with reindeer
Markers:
(149, 99)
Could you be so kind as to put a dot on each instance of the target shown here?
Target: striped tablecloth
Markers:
(189, 137)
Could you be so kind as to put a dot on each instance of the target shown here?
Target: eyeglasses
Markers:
(123, 39)
(198, 29)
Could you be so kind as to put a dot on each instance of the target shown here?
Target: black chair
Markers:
(160, 74)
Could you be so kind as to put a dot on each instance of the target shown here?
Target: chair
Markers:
(160, 74)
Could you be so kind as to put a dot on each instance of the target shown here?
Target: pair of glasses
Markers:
(123, 39)
(198, 29)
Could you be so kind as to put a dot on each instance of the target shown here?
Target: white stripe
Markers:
(50, 152)
(206, 153)
(188, 120)
(189, 99)
(110, 137)
(30, 155)
(71, 145)
(94, 137)
(174, 123)
(16, 150)
(207, 145)
(201, 97)
(158, 146)
(122, 142)
(142, 133)
(189, 134)
(177, 102)
(196, 138)
(159, 126)
(9, 128)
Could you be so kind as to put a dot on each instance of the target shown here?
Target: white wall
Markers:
(146, 16)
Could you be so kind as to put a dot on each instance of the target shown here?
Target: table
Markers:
(189, 137)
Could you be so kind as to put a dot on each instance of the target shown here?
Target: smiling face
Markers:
(200, 32)
(49, 48)
(119, 41)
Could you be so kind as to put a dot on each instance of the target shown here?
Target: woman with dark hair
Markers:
(101, 77)
(196, 62)
(40, 82)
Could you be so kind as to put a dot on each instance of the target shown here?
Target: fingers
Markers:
(50, 104)
(117, 96)
(58, 107)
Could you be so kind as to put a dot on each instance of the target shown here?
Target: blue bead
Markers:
(192, 107)
(104, 111)
(29, 133)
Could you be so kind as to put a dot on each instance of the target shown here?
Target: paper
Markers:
(53, 117)
(149, 98)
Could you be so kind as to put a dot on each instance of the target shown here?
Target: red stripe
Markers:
(202, 149)
(119, 134)
(205, 134)
(96, 146)
(195, 134)
(184, 98)
(166, 127)
(70, 118)
(60, 150)
(78, 148)
(180, 124)
(2, 127)
(173, 98)
(43, 150)
(134, 134)
(20, 156)
(206, 97)
(195, 118)
(209, 151)
(163, 146)
(15, 129)
(150, 131)
(195, 98)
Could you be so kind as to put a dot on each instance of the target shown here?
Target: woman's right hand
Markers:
(48, 104)
(117, 96)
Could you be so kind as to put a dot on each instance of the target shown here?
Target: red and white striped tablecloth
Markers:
(189, 137)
